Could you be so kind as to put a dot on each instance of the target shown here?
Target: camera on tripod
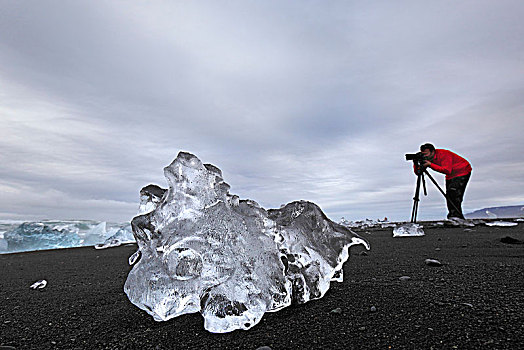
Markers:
(418, 159)
(419, 156)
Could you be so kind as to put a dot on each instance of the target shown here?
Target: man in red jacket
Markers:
(457, 171)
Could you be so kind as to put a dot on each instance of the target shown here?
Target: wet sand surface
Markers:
(474, 300)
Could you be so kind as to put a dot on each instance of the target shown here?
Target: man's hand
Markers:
(427, 164)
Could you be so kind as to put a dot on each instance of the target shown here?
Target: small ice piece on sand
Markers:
(432, 262)
(103, 245)
(408, 230)
(404, 278)
(109, 243)
(120, 237)
(501, 223)
(336, 311)
(39, 284)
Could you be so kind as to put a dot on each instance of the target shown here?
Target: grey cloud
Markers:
(314, 100)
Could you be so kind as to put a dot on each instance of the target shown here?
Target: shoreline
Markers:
(475, 299)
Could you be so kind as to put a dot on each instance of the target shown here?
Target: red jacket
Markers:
(449, 163)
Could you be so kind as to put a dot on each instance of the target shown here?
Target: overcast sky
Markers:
(315, 100)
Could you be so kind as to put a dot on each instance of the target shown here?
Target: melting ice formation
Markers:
(501, 223)
(201, 249)
(29, 236)
(408, 230)
(366, 223)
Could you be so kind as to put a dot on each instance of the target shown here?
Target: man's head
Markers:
(428, 150)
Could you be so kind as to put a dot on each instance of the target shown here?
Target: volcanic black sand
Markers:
(474, 300)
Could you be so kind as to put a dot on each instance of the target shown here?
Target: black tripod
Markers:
(420, 179)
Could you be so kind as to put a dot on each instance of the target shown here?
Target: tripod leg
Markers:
(416, 199)
(414, 212)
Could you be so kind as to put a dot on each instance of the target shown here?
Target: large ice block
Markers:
(204, 250)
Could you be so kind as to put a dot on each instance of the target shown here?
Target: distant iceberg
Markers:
(56, 234)
(37, 235)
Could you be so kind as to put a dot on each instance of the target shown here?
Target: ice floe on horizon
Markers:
(58, 234)
(501, 223)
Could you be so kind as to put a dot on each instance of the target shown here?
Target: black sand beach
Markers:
(474, 300)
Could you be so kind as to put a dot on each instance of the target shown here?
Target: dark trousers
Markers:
(455, 189)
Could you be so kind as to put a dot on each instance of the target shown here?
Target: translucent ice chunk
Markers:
(501, 223)
(39, 284)
(108, 244)
(408, 230)
(432, 262)
(204, 250)
(123, 235)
